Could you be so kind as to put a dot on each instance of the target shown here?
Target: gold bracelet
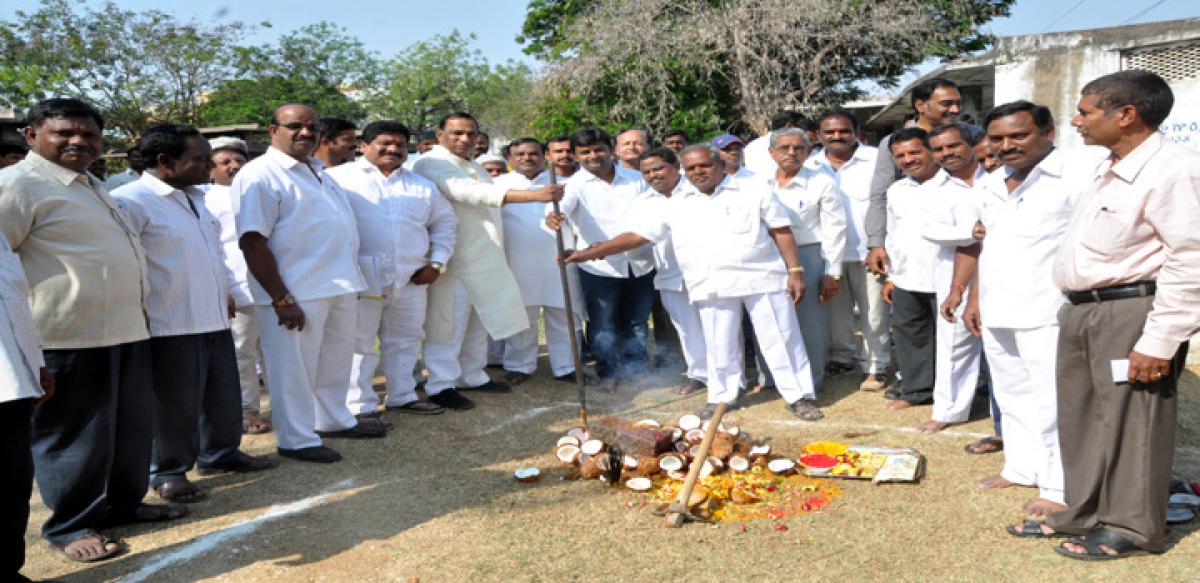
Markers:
(795, 270)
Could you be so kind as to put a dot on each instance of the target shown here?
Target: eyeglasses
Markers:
(297, 126)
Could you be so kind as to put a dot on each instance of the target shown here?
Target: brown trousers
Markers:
(1118, 440)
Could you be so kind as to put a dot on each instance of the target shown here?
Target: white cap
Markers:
(228, 142)
(486, 158)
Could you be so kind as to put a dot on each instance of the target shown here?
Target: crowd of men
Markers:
(143, 315)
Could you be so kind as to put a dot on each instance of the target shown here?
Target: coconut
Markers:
(676, 433)
(602, 463)
(592, 447)
(567, 440)
(567, 454)
(732, 430)
(579, 434)
(647, 465)
(670, 461)
(527, 475)
(741, 446)
(781, 465)
(689, 422)
(629, 462)
(677, 475)
(693, 436)
(639, 484)
(722, 445)
(760, 450)
(648, 423)
(738, 463)
(589, 470)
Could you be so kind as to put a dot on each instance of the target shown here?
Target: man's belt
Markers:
(1140, 289)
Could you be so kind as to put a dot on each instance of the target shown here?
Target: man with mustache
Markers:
(561, 159)
(1025, 209)
(406, 233)
(297, 232)
(735, 249)
(909, 288)
(675, 140)
(336, 141)
(757, 154)
(87, 273)
(197, 398)
(854, 166)
(936, 101)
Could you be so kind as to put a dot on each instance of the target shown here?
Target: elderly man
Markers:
(87, 275)
(197, 398)
(757, 154)
(297, 232)
(1128, 266)
(406, 233)
(619, 291)
(854, 165)
(628, 145)
(24, 382)
(477, 294)
(229, 156)
(336, 142)
(735, 249)
(531, 253)
(732, 149)
(811, 197)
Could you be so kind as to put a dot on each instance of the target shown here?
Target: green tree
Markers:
(138, 68)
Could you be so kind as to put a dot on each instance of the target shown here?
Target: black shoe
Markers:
(452, 399)
(317, 454)
(359, 431)
(490, 387)
(494, 366)
(566, 378)
(239, 464)
(515, 378)
(835, 369)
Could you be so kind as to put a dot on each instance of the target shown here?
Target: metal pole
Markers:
(566, 287)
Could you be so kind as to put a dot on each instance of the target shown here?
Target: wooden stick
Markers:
(676, 514)
(566, 287)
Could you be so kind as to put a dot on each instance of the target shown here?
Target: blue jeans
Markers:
(618, 308)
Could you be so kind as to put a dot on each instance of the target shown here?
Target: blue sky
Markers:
(389, 27)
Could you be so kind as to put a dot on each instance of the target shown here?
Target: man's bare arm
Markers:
(260, 261)
(619, 244)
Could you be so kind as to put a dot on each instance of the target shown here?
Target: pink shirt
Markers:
(1137, 222)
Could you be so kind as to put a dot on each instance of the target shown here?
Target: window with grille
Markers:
(1173, 63)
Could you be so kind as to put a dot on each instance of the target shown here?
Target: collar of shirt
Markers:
(1051, 165)
(689, 189)
(279, 157)
(1130, 166)
(365, 166)
(58, 172)
(942, 177)
(157, 186)
(620, 175)
(861, 154)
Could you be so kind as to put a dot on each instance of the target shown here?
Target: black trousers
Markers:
(91, 441)
(197, 403)
(17, 461)
(913, 327)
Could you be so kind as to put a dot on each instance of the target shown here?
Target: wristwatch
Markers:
(286, 300)
(440, 267)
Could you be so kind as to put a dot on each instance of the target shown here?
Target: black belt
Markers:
(1140, 289)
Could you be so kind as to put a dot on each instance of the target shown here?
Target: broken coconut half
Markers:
(567, 440)
(677, 475)
(670, 462)
(759, 450)
(738, 463)
(693, 436)
(579, 434)
(689, 422)
(648, 423)
(781, 466)
(592, 447)
(527, 475)
(639, 484)
(567, 454)
(629, 461)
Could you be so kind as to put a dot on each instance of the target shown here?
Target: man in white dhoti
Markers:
(531, 253)
(477, 295)
(736, 251)
(406, 233)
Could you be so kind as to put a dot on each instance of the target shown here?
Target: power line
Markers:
(1063, 15)
(1142, 13)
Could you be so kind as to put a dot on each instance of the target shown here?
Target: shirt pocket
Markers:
(1108, 232)
(738, 220)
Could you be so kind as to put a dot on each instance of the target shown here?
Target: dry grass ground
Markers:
(436, 501)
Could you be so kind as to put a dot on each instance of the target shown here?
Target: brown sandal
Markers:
(691, 386)
(252, 424)
(104, 541)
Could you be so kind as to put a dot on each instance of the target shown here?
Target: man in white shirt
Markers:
(1025, 212)
(426, 140)
(854, 166)
(628, 145)
(531, 253)
(619, 291)
(953, 208)
(298, 235)
(811, 198)
(477, 296)
(406, 236)
(734, 244)
(910, 287)
(757, 154)
(732, 149)
(24, 382)
(197, 398)
(228, 156)
(136, 167)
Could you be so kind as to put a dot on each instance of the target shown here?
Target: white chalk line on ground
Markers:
(210, 541)
(524, 416)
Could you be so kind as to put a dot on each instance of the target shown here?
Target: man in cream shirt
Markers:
(477, 295)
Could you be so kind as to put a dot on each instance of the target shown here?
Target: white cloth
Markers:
(863, 289)
(398, 320)
(189, 283)
(478, 264)
(120, 179)
(219, 201)
(531, 249)
(248, 348)
(1023, 376)
(778, 334)
(307, 222)
(910, 253)
(521, 349)
(721, 240)
(599, 211)
(308, 369)
(459, 362)
(20, 344)
(403, 222)
(854, 185)
(667, 274)
(1024, 230)
(812, 201)
(686, 319)
(757, 156)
